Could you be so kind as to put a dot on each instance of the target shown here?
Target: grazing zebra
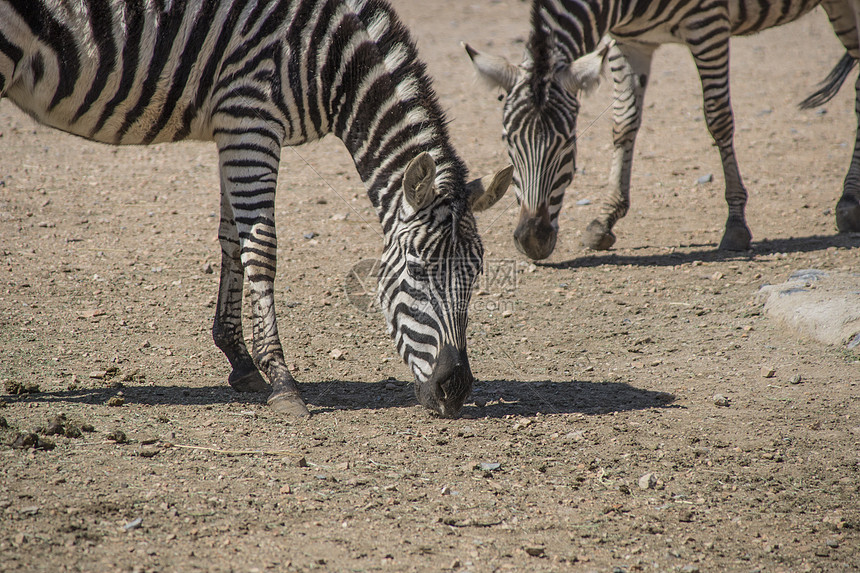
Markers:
(254, 76)
(564, 55)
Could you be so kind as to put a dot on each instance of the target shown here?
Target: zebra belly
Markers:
(113, 126)
(751, 16)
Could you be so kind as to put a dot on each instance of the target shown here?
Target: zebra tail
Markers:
(831, 84)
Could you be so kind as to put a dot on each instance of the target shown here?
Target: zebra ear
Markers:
(494, 70)
(583, 75)
(419, 181)
(485, 192)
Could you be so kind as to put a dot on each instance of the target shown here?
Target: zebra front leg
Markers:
(249, 172)
(227, 329)
(630, 65)
(711, 54)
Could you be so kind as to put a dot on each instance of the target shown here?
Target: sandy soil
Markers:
(596, 369)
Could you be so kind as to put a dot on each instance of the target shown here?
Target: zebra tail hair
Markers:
(831, 84)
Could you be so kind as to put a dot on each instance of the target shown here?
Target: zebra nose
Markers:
(535, 235)
(449, 385)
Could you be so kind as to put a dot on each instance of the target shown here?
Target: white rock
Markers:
(816, 304)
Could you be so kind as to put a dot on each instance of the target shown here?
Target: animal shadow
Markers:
(490, 399)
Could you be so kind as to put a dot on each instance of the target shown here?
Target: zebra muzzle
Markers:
(535, 234)
(450, 384)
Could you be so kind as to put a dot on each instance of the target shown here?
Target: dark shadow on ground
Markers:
(707, 252)
(490, 399)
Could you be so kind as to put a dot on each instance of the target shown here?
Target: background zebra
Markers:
(253, 76)
(564, 55)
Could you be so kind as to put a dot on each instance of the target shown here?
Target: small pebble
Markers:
(647, 481)
(796, 379)
(207, 268)
(489, 466)
(536, 551)
(720, 400)
(134, 524)
(55, 428)
(117, 436)
(72, 431)
(768, 372)
(148, 452)
(584, 202)
(467, 432)
(337, 354)
(522, 423)
(116, 401)
(705, 179)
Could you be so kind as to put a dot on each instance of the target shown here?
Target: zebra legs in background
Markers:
(630, 65)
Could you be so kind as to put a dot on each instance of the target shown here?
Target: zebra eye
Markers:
(416, 270)
(415, 267)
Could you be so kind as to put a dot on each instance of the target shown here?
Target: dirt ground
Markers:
(593, 442)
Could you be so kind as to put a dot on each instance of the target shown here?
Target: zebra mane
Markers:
(558, 37)
(540, 50)
(395, 38)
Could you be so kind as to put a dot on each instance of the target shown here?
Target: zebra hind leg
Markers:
(848, 207)
(844, 16)
(711, 55)
(227, 328)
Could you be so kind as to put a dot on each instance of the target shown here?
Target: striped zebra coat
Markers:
(254, 76)
(565, 52)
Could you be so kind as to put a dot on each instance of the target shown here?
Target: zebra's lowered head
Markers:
(430, 263)
(539, 129)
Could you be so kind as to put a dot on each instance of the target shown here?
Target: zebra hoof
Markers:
(288, 404)
(598, 236)
(247, 381)
(848, 214)
(736, 238)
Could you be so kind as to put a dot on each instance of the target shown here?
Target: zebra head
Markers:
(539, 129)
(431, 261)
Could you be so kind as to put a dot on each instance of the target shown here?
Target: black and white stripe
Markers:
(254, 76)
(567, 45)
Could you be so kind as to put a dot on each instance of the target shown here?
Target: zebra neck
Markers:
(564, 30)
(391, 114)
(382, 145)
